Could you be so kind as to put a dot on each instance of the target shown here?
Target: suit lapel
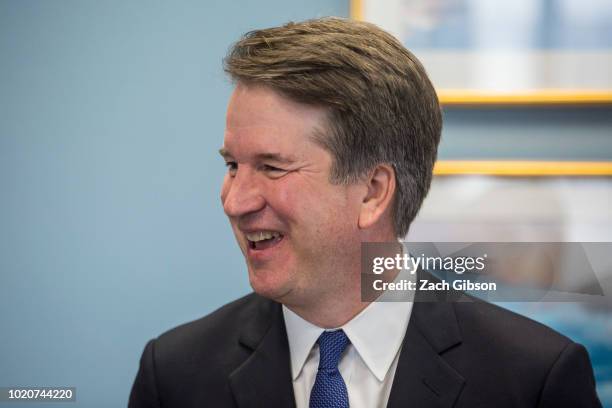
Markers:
(264, 379)
(423, 378)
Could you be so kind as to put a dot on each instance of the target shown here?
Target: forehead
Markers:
(260, 119)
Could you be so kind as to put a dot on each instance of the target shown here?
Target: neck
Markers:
(332, 313)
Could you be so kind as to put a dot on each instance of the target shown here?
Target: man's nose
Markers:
(242, 194)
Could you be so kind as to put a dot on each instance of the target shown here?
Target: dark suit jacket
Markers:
(455, 354)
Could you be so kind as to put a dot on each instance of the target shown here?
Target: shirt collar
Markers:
(302, 336)
(376, 333)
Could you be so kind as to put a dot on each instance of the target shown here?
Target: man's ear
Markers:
(378, 200)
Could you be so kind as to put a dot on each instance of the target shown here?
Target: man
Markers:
(331, 137)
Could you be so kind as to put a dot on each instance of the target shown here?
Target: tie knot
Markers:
(331, 347)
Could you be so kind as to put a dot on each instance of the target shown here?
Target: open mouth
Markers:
(263, 239)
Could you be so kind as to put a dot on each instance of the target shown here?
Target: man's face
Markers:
(298, 232)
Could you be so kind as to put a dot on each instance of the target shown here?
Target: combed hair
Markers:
(381, 106)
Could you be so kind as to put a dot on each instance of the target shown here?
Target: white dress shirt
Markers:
(367, 365)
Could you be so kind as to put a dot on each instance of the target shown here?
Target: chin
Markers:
(269, 284)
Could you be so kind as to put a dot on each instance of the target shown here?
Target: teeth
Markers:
(262, 235)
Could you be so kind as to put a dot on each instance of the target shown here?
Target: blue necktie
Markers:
(329, 389)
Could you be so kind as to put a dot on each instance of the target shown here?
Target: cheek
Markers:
(314, 204)
(341, 210)
(289, 200)
(322, 210)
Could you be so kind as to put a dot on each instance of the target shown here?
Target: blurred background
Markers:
(111, 228)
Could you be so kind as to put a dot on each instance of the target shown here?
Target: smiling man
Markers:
(331, 135)
(299, 232)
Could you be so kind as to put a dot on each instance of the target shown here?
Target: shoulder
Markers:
(216, 330)
(211, 346)
(500, 336)
(193, 361)
(484, 322)
(506, 354)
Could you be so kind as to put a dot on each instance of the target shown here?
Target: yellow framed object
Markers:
(522, 168)
(537, 97)
(584, 77)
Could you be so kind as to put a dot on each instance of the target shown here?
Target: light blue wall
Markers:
(540, 133)
(111, 230)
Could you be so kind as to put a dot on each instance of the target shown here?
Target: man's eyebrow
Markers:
(276, 157)
(224, 153)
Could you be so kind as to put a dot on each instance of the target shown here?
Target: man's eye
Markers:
(272, 169)
(231, 167)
